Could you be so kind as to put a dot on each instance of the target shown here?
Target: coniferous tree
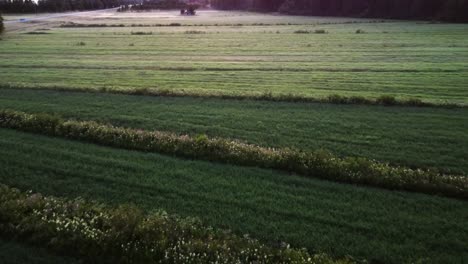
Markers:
(449, 10)
(1, 24)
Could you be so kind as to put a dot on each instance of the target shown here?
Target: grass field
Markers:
(243, 54)
(338, 219)
(403, 135)
(404, 59)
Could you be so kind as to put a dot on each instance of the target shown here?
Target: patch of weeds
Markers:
(320, 31)
(194, 32)
(141, 33)
(387, 100)
(37, 33)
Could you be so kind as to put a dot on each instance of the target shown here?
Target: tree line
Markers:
(29, 6)
(1, 24)
(447, 10)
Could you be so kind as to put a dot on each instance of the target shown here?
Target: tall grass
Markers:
(319, 164)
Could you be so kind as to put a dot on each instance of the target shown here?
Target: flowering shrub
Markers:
(319, 164)
(100, 234)
(1, 24)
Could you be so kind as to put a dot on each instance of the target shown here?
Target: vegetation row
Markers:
(2, 27)
(124, 234)
(384, 100)
(319, 164)
(28, 6)
(449, 10)
(94, 25)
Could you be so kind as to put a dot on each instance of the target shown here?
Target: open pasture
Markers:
(227, 53)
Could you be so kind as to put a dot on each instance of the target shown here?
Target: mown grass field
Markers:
(421, 137)
(244, 54)
(339, 219)
(404, 59)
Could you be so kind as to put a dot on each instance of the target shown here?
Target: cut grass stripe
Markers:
(318, 164)
(384, 100)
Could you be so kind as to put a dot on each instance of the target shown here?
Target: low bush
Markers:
(2, 27)
(194, 32)
(266, 96)
(141, 33)
(37, 33)
(339, 99)
(415, 102)
(320, 31)
(387, 100)
(78, 25)
(302, 31)
(360, 31)
(100, 234)
(319, 164)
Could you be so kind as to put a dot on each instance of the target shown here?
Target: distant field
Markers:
(404, 135)
(404, 59)
(338, 219)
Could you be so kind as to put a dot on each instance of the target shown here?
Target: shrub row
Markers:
(384, 100)
(317, 31)
(100, 234)
(78, 25)
(141, 33)
(319, 164)
(2, 27)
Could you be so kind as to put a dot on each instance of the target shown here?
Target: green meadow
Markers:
(215, 55)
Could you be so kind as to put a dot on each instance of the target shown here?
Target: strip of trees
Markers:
(447, 10)
(148, 5)
(1, 24)
(29, 6)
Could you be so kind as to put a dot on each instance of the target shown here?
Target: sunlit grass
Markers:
(405, 59)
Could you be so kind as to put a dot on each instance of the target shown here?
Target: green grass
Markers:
(234, 56)
(339, 219)
(405, 59)
(16, 253)
(403, 135)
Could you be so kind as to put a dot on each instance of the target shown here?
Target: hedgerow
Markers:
(319, 164)
(100, 234)
(385, 100)
(1, 24)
